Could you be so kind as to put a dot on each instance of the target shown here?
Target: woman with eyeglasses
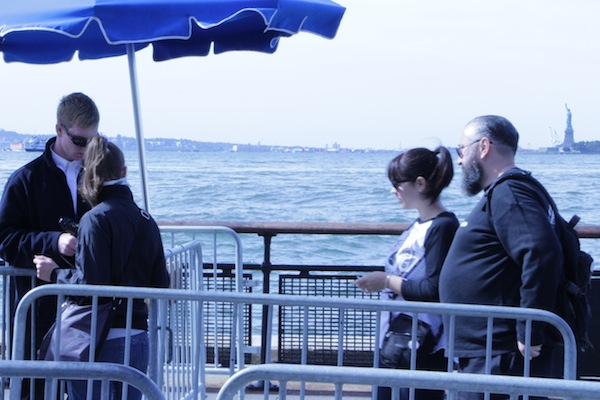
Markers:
(413, 266)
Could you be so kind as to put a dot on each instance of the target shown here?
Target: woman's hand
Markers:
(534, 351)
(374, 282)
(44, 267)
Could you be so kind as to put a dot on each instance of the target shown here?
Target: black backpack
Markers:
(572, 303)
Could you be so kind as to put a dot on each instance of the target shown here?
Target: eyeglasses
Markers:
(397, 184)
(77, 140)
(459, 148)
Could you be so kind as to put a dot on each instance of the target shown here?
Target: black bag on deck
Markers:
(572, 303)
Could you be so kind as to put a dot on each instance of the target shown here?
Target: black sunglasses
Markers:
(77, 140)
(396, 184)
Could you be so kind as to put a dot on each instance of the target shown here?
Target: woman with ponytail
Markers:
(412, 269)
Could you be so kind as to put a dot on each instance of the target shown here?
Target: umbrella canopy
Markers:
(46, 32)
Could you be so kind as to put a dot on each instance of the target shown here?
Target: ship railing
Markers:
(185, 374)
(335, 281)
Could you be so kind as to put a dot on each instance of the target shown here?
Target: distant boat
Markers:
(35, 144)
(17, 146)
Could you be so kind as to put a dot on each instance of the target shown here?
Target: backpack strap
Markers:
(525, 176)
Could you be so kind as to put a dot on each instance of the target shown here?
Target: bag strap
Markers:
(522, 175)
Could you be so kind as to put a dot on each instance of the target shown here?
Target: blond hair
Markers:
(103, 162)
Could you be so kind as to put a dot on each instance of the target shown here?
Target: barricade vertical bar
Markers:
(153, 339)
(488, 352)
(104, 390)
(340, 338)
(93, 330)
(128, 327)
(283, 390)
(527, 357)
(199, 366)
(32, 341)
(266, 352)
(488, 345)
(376, 350)
(92, 354)
(304, 357)
(451, 394)
(6, 317)
(340, 348)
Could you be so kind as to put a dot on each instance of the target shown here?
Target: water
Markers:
(321, 187)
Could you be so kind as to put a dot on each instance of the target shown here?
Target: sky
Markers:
(399, 74)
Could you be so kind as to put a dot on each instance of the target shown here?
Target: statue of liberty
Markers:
(569, 139)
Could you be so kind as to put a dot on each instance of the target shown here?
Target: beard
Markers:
(472, 173)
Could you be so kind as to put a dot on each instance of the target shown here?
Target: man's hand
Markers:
(534, 351)
(67, 244)
(44, 267)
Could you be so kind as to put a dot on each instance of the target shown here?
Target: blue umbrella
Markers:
(46, 32)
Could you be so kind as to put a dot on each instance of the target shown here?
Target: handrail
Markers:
(335, 228)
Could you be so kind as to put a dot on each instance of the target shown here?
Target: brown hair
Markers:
(435, 166)
(103, 162)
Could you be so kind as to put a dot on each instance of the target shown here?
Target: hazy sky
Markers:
(399, 73)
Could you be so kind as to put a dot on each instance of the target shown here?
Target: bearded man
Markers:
(505, 253)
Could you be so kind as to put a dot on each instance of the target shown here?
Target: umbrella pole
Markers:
(139, 133)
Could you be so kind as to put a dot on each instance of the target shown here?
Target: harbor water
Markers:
(320, 187)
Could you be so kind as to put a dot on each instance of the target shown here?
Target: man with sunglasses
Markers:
(40, 194)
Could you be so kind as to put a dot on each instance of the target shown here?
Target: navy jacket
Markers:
(120, 244)
(35, 197)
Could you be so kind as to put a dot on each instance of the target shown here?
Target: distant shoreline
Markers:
(13, 141)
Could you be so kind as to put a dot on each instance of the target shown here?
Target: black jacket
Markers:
(508, 255)
(120, 244)
(35, 197)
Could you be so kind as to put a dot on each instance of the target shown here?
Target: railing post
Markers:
(266, 268)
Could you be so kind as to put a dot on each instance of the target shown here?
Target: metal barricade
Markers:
(217, 251)
(192, 381)
(188, 271)
(508, 385)
(214, 250)
(7, 301)
(183, 377)
(54, 370)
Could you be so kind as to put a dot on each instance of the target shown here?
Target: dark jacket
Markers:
(35, 197)
(508, 255)
(120, 244)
